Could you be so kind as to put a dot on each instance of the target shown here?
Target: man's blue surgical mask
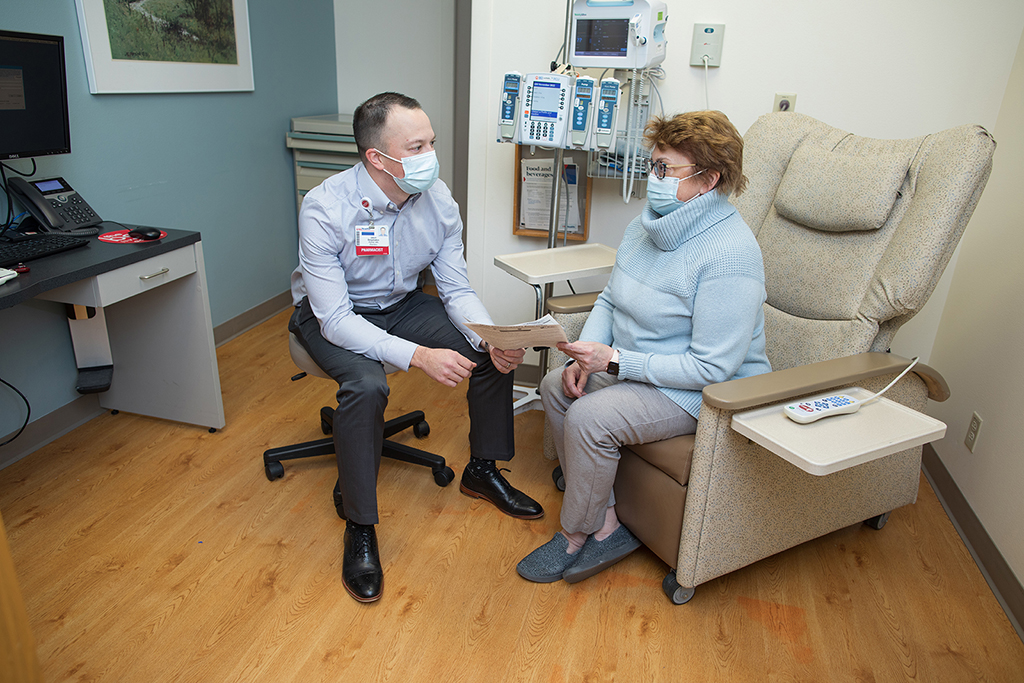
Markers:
(663, 193)
(421, 170)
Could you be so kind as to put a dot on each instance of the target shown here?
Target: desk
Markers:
(543, 267)
(152, 319)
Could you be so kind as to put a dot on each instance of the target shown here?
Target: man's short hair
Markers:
(371, 118)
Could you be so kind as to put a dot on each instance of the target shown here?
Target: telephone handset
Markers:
(55, 204)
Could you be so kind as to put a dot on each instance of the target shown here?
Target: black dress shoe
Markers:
(339, 504)
(481, 479)
(360, 568)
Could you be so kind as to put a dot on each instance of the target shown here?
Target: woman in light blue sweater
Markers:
(682, 310)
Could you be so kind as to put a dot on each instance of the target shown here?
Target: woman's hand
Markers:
(594, 357)
(574, 379)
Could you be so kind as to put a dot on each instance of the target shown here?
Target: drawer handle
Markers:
(162, 271)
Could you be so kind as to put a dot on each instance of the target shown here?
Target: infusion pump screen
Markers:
(546, 100)
(602, 37)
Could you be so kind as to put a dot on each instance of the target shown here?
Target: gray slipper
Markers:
(596, 556)
(546, 563)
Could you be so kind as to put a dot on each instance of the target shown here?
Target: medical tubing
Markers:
(626, 188)
(639, 133)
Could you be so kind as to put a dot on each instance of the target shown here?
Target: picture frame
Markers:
(188, 50)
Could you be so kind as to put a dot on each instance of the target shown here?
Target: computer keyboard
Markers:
(38, 246)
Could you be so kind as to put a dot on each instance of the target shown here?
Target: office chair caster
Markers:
(421, 429)
(878, 522)
(679, 595)
(274, 470)
(443, 477)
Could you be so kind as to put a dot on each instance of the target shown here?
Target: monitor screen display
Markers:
(602, 37)
(547, 98)
(33, 96)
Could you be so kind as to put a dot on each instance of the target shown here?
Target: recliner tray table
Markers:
(838, 442)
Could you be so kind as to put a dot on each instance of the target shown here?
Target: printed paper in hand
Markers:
(543, 332)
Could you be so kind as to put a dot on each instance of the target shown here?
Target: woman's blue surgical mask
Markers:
(421, 170)
(663, 193)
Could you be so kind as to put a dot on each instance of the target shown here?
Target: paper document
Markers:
(543, 332)
(535, 201)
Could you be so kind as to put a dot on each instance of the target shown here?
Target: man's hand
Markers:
(506, 360)
(442, 365)
(574, 379)
(592, 356)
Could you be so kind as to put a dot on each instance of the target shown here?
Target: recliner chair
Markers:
(855, 233)
(272, 459)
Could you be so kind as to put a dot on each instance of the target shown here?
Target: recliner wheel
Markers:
(878, 522)
(679, 595)
(558, 478)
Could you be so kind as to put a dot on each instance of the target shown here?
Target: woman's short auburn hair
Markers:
(710, 141)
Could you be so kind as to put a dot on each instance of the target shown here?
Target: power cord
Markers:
(898, 378)
(707, 100)
(28, 413)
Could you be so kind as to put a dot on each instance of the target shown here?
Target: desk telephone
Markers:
(56, 205)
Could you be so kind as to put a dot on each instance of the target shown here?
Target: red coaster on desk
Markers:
(122, 237)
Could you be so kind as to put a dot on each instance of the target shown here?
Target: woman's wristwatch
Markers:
(613, 364)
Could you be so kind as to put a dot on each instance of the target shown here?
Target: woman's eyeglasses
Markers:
(660, 168)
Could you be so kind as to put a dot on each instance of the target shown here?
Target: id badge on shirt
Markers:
(372, 240)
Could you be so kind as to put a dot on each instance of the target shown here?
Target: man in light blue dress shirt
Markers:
(365, 235)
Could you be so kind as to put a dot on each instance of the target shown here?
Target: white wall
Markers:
(406, 46)
(878, 69)
(979, 341)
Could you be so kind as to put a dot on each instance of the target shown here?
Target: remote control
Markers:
(815, 409)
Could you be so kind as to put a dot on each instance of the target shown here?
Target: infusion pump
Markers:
(558, 110)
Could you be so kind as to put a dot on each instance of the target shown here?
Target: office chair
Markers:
(855, 233)
(272, 459)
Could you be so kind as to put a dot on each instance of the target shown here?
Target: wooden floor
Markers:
(154, 551)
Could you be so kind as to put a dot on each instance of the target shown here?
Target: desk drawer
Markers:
(109, 288)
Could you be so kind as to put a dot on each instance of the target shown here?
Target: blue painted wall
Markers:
(212, 162)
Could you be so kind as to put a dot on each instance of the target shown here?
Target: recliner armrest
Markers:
(781, 385)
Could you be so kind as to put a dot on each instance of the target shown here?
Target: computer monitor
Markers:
(33, 96)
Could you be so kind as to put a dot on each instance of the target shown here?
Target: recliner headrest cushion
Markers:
(837, 192)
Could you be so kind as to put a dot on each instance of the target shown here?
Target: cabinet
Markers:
(321, 146)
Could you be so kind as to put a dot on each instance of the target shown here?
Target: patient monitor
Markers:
(618, 34)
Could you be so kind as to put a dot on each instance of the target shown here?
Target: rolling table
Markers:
(543, 267)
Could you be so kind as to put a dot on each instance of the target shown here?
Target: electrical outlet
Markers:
(972, 432)
(785, 101)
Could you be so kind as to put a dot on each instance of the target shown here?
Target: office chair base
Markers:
(443, 475)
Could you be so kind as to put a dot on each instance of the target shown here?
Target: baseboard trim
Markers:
(527, 375)
(50, 427)
(59, 422)
(247, 320)
(1000, 577)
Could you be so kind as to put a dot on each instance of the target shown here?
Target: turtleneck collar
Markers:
(690, 219)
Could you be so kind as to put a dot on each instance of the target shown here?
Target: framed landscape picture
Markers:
(161, 46)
